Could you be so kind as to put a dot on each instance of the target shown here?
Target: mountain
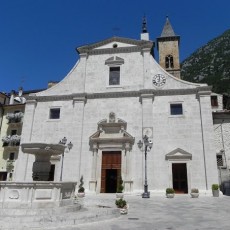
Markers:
(210, 64)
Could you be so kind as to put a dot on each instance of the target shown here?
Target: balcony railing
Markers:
(15, 117)
(13, 140)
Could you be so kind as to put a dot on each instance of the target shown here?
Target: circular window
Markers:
(115, 45)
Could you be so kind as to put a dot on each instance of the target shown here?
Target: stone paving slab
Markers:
(161, 213)
(155, 213)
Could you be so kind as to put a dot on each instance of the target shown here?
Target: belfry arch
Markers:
(111, 147)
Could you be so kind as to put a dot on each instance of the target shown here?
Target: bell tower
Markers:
(168, 48)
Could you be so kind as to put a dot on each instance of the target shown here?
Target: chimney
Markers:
(12, 94)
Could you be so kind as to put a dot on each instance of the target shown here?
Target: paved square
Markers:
(159, 212)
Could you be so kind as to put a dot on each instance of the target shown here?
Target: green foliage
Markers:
(170, 191)
(215, 187)
(194, 190)
(210, 64)
(80, 187)
(120, 186)
(121, 203)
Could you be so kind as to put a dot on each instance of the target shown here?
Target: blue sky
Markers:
(38, 37)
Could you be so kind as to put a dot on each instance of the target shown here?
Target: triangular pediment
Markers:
(115, 60)
(115, 43)
(178, 154)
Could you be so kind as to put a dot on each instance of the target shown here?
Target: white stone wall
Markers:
(192, 132)
(222, 136)
(169, 132)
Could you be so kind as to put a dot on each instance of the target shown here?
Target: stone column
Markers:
(128, 165)
(93, 181)
(128, 172)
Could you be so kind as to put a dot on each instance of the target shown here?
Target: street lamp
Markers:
(147, 146)
(69, 146)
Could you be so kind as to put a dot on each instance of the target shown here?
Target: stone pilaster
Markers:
(128, 169)
(146, 65)
(23, 171)
(78, 122)
(209, 154)
(147, 109)
(83, 59)
(93, 181)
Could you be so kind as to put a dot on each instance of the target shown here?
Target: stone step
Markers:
(14, 212)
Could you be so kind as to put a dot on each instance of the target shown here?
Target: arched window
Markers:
(169, 62)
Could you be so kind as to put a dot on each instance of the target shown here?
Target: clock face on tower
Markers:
(159, 80)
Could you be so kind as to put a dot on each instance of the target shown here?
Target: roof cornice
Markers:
(138, 45)
(120, 94)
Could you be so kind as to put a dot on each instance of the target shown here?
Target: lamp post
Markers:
(69, 146)
(147, 146)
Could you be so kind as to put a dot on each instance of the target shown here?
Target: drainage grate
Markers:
(133, 218)
(103, 206)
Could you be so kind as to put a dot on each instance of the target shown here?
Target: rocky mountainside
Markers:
(210, 64)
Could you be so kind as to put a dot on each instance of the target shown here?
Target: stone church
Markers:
(115, 95)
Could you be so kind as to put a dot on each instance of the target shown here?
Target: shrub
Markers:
(194, 190)
(120, 186)
(215, 187)
(120, 203)
(170, 191)
(80, 187)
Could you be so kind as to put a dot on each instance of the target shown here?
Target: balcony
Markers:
(11, 141)
(14, 117)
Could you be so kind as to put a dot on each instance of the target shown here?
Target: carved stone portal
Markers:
(112, 134)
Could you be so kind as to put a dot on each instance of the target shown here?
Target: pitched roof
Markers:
(167, 30)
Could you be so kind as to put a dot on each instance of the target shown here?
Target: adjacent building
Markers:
(11, 126)
(11, 115)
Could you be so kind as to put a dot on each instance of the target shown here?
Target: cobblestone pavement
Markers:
(159, 212)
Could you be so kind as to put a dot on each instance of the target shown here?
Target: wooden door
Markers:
(110, 170)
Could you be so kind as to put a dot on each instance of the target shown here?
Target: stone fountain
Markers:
(40, 193)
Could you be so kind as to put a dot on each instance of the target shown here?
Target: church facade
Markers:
(114, 95)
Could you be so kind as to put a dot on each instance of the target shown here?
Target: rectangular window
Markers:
(51, 173)
(214, 101)
(219, 159)
(13, 132)
(11, 157)
(176, 109)
(55, 113)
(114, 76)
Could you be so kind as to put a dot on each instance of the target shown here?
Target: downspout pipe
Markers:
(203, 147)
